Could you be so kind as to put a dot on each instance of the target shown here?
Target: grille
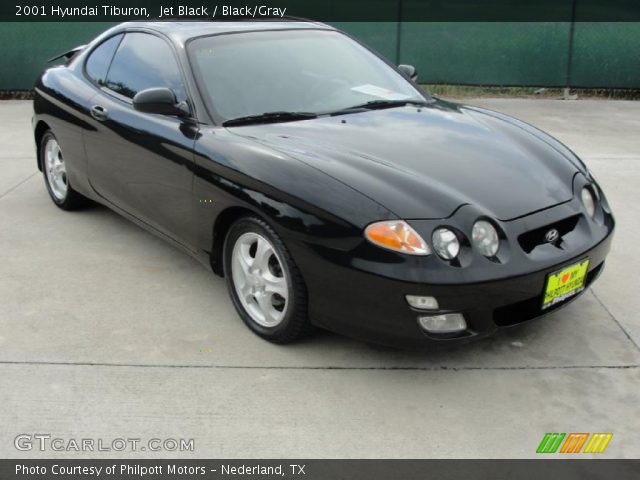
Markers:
(531, 239)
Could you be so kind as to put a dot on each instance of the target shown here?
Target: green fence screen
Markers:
(602, 54)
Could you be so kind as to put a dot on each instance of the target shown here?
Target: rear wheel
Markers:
(54, 170)
(265, 285)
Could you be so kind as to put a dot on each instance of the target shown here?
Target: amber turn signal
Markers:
(397, 235)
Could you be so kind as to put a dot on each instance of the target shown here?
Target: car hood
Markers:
(427, 162)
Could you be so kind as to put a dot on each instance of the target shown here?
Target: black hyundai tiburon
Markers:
(320, 180)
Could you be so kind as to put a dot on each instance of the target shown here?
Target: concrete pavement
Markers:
(108, 332)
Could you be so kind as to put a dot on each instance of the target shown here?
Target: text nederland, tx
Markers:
(177, 11)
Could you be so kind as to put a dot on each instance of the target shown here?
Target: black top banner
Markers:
(324, 10)
(320, 469)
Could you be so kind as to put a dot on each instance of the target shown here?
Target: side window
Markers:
(99, 60)
(144, 61)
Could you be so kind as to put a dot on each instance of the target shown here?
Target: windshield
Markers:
(315, 71)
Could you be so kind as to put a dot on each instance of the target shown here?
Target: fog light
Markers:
(422, 303)
(446, 323)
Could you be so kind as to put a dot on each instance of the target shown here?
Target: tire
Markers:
(55, 175)
(258, 266)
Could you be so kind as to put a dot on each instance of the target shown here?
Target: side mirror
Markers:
(160, 100)
(409, 71)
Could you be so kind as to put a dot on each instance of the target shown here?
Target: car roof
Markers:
(185, 29)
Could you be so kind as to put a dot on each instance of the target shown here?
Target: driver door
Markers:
(140, 162)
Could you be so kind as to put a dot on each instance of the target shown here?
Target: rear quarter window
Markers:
(99, 60)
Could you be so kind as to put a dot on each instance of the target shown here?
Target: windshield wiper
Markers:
(269, 117)
(378, 105)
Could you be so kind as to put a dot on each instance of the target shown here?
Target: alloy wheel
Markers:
(55, 170)
(259, 279)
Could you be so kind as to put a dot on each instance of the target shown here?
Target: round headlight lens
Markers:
(485, 238)
(397, 235)
(588, 201)
(445, 243)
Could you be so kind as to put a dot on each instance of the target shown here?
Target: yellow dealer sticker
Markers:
(565, 283)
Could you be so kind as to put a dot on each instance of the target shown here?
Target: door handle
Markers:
(99, 113)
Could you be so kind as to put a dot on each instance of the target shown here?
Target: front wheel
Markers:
(264, 282)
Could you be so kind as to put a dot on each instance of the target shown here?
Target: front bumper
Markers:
(364, 297)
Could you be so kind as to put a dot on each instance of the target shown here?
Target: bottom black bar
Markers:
(319, 469)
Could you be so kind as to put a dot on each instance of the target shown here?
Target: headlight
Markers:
(397, 235)
(445, 243)
(485, 238)
(588, 201)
